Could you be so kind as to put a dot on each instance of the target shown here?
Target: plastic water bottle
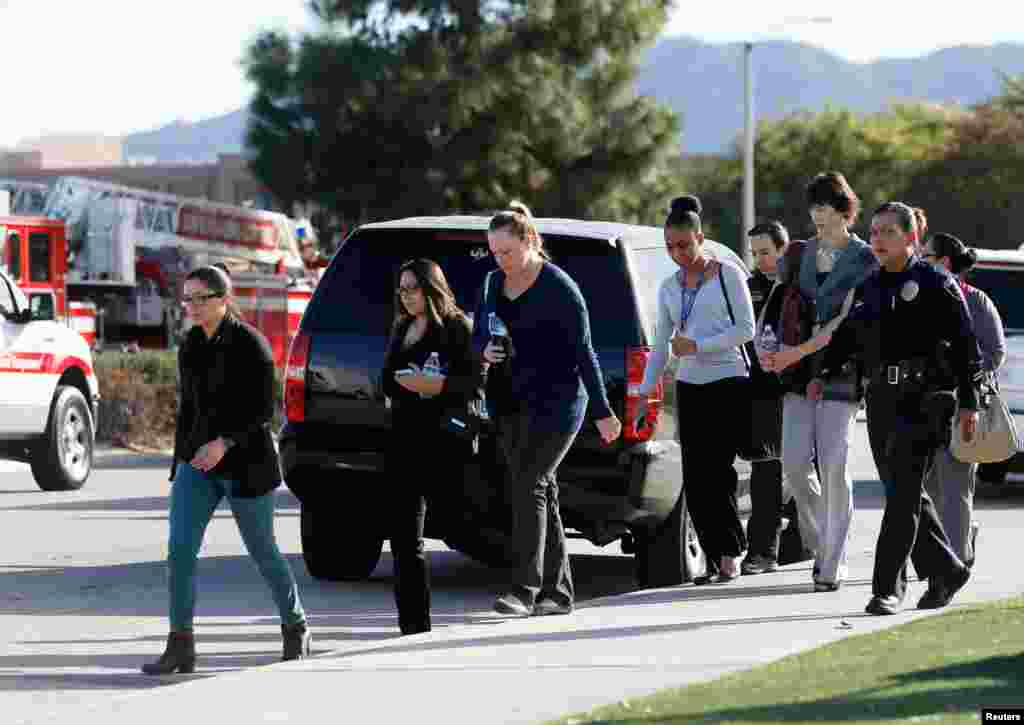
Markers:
(768, 342)
(432, 367)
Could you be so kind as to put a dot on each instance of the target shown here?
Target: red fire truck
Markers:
(110, 260)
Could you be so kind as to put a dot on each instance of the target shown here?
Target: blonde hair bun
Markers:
(520, 208)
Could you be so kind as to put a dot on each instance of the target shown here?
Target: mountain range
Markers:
(703, 83)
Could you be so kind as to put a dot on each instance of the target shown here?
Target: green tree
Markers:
(976, 185)
(425, 106)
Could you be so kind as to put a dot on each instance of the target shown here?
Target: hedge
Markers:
(138, 398)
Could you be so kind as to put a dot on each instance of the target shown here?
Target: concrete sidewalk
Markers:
(525, 671)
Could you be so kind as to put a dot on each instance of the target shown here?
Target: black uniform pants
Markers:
(709, 476)
(765, 524)
(905, 432)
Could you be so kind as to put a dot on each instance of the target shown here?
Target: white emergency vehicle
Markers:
(48, 394)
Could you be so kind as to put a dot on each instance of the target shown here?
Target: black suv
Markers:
(335, 442)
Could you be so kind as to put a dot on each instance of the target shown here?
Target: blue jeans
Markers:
(194, 498)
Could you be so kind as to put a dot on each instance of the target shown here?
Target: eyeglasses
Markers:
(198, 299)
(411, 289)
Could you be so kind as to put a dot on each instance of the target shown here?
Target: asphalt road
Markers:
(83, 588)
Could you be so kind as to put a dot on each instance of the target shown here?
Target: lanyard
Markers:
(689, 297)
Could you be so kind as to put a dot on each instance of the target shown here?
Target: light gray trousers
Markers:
(825, 507)
(950, 483)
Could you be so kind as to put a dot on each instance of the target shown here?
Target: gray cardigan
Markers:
(988, 328)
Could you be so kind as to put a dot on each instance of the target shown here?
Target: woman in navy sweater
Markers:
(532, 328)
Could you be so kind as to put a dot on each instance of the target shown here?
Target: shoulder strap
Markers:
(487, 285)
(728, 306)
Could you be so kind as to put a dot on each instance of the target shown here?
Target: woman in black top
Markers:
(429, 328)
(223, 447)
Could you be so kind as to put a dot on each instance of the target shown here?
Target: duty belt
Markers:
(905, 376)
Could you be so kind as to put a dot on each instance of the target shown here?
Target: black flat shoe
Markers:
(709, 577)
(942, 588)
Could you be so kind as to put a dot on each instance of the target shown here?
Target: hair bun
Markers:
(520, 208)
(686, 203)
(971, 256)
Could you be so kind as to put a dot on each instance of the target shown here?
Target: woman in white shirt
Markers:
(705, 316)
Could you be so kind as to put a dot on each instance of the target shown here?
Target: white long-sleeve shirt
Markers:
(709, 325)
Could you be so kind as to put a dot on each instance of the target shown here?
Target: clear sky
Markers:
(118, 66)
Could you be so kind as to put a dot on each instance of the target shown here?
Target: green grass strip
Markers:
(936, 669)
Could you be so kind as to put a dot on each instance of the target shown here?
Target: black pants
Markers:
(532, 458)
(424, 458)
(709, 476)
(765, 523)
(904, 435)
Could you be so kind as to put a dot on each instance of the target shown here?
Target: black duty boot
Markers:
(179, 656)
(297, 641)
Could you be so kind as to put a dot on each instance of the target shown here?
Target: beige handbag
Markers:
(995, 439)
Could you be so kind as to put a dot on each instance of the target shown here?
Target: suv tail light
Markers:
(636, 363)
(295, 379)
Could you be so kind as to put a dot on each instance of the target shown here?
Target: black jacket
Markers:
(916, 314)
(464, 377)
(764, 385)
(226, 389)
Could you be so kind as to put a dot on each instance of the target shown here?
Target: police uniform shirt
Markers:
(904, 316)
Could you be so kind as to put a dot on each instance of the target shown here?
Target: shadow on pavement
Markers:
(114, 461)
(285, 502)
(589, 634)
(119, 681)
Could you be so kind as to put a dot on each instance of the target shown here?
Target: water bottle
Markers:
(768, 342)
(432, 367)
(499, 333)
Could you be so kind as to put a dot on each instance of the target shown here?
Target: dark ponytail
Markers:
(961, 257)
(684, 213)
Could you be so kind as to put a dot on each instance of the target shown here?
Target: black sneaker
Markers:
(513, 605)
(884, 605)
(942, 588)
(758, 564)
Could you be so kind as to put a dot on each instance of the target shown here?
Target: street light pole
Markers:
(748, 151)
(749, 211)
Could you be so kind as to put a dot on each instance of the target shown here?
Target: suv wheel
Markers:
(669, 553)
(62, 459)
(338, 551)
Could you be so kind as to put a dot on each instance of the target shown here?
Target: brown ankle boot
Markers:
(179, 656)
(297, 641)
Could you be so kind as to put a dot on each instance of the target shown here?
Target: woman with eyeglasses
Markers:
(951, 482)
(705, 317)
(223, 448)
(428, 329)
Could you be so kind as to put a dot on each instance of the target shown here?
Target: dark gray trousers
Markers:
(532, 457)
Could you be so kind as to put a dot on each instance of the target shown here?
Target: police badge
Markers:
(909, 290)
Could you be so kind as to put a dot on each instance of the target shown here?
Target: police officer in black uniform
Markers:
(913, 333)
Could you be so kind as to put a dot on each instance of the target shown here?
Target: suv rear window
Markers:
(1006, 290)
(357, 292)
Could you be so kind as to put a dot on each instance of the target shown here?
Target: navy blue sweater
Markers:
(554, 367)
